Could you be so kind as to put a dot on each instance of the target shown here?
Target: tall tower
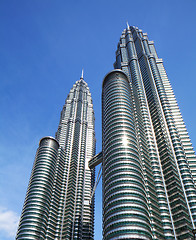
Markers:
(149, 166)
(58, 202)
(76, 136)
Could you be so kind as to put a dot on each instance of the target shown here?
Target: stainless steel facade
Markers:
(58, 203)
(149, 166)
(125, 211)
(77, 137)
(149, 189)
(36, 210)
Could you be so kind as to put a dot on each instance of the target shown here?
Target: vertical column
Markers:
(35, 212)
(125, 210)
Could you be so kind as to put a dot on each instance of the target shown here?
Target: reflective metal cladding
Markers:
(58, 202)
(148, 162)
(149, 171)
(125, 210)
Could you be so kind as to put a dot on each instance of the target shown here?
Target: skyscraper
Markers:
(58, 202)
(149, 166)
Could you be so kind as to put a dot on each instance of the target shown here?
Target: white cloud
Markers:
(8, 222)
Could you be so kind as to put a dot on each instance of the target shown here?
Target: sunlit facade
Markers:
(148, 162)
(58, 202)
(149, 166)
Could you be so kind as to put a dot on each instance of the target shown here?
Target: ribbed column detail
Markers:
(35, 212)
(125, 210)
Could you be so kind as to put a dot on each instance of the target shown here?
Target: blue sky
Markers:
(44, 45)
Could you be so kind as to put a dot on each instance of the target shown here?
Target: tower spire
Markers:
(82, 74)
(128, 28)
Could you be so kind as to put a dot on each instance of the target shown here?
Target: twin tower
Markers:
(148, 163)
